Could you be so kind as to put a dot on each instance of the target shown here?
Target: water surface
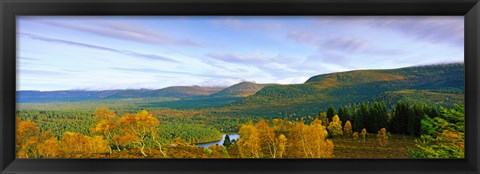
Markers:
(233, 136)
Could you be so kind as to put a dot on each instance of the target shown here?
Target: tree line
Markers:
(403, 118)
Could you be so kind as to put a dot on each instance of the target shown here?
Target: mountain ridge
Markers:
(363, 84)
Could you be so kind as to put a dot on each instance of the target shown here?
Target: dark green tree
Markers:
(227, 141)
(347, 113)
(357, 119)
(400, 117)
(330, 112)
(379, 116)
(364, 114)
(341, 114)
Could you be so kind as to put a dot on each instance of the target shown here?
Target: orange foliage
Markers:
(364, 133)
(103, 113)
(249, 145)
(138, 128)
(310, 141)
(269, 143)
(50, 148)
(355, 135)
(347, 129)
(78, 145)
(382, 139)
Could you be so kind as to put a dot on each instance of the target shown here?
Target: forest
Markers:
(364, 130)
(412, 112)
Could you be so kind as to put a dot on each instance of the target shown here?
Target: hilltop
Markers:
(433, 84)
(243, 89)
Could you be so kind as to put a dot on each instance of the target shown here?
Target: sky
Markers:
(153, 52)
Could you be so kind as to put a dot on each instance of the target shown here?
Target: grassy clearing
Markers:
(396, 148)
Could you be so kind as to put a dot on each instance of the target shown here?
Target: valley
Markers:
(199, 114)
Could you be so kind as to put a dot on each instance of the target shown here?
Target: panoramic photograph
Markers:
(240, 87)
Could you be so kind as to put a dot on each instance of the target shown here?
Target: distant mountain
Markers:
(79, 95)
(185, 91)
(436, 84)
(242, 89)
(67, 95)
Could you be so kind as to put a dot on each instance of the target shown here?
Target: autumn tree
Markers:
(322, 116)
(382, 139)
(282, 145)
(78, 145)
(106, 125)
(364, 133)
(138, 129)
(335, 126)
(32, 143)
(355, 135)
(268, 141)
(282, 126)
(26, 138)
(50, 148)
(249, 144)
(347, 129)
(103, 113)
(310, 141)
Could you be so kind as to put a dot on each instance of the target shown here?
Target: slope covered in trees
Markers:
(364, 113)
(242, 89)
(441, 85)
(370, 130)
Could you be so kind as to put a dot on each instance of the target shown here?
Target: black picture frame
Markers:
(11, 8)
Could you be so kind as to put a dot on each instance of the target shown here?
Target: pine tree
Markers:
(341, 113)
(227, 141)
(330, 112)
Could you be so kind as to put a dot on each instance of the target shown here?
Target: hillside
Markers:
(427, 84)
(185, 91)
(434, 84)
(81, 95)
(242, 89)
(168, 92)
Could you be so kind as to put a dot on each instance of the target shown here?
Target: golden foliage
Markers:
(249, 141)
(282, 145)
(335, 126)
(27, 137)
(281, 125)
(139, 128)
(322, 116)
(347, 129)
(268, 141)
(364, 133)
(355, 135)
(310, 141)
(103, 113)
(452, 138)
(78, 145)
(50, 148)
(382, 139)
